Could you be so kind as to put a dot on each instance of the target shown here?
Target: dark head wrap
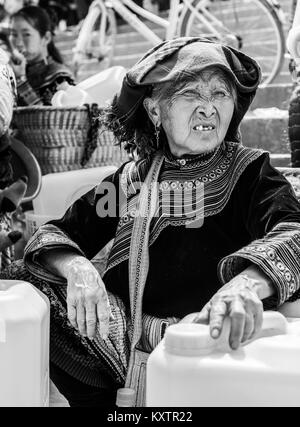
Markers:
(173, 58)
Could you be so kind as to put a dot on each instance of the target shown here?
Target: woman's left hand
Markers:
(239, 301)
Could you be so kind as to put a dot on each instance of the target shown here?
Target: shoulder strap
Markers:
(139, 250)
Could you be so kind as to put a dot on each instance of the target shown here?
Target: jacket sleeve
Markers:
(271, 213)
(87, 226)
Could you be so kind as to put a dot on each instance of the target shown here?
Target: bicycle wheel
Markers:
(95, 46)
(249, 25)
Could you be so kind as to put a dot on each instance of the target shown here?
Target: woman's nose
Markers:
(18, 41)
(206, 108)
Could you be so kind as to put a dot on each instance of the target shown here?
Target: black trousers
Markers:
(79, 394)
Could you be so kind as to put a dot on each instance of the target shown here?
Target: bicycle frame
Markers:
(125, 7)
(173, 26)
(91, 17)
(203, 15)
(278, 10)
(177, 11)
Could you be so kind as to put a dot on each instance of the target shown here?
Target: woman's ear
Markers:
(153, 111)
(48, 37)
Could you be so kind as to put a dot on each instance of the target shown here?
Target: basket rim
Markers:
(48, 108)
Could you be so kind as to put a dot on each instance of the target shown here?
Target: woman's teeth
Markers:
(204, 127)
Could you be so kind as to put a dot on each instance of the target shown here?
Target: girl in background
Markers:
(36, 61)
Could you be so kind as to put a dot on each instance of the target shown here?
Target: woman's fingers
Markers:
(91, 319)
(237, 316)
(81, 319)
(203, 316)
(103, 318)
(217, 315)
(249, 327)
(257, 318)
(72, 315)
(103, 311)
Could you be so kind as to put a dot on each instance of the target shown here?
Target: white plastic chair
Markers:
(58, 192)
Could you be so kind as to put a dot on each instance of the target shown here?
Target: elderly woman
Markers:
(202, 227)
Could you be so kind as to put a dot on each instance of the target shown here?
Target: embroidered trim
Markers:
(219, 175)
(277, 254)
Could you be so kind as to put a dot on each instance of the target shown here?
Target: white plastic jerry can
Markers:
(189, 368)
(24, 345)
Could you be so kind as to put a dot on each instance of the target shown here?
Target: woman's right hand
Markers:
(18, 64)
(87, 300)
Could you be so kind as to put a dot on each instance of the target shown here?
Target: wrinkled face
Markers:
(28, 40)
(196, 115)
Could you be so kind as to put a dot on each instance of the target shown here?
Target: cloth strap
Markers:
(139, 253)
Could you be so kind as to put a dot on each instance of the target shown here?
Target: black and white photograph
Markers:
(149, 206)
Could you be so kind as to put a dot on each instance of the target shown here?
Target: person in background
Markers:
(293, 46)
(11, 193)
(37, 63)
(7, 99)
(5, 28)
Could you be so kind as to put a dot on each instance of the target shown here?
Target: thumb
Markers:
(203, 315)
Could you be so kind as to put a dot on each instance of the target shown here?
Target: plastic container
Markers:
(24, 345)
(125, 397)
(189, 368)
(104, 85)
(60, 190)
(73, 96)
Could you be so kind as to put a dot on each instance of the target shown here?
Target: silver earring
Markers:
(157, 133)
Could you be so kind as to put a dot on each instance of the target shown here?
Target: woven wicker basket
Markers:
(64, 139)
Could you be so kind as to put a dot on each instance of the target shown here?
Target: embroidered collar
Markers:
(188, 162)
(199, 189)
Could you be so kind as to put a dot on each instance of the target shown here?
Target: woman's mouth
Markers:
(204, 128)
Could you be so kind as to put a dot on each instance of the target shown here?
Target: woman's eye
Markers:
(220, 94)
